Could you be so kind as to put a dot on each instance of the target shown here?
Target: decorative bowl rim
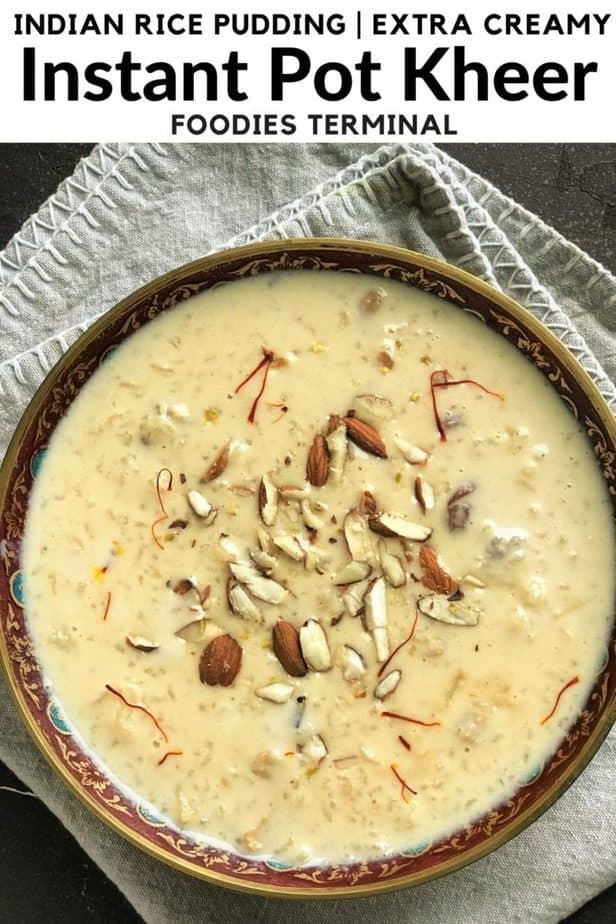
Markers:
(202, 267)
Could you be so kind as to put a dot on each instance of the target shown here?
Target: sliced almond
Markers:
(314, 750)
(462, 490)
(268, 500)
(243, 490)
(199, 504)
(199, 630)
(353, 572)
(365, 436)
(240, 603)
(374, 406)
(424, 493)
(387, 685)
(285, 642)
(290, 546)
(337, 448)
(312, 512)
(314, 646)
(368, 505)
(392, 566)
(360, 543)
(276, 692)
(141, 643)
(353, 598)
(353, 665)
(228, 545)
(434, 576)
(218, 465)
(394, 524)
(317, 463)
(264, 588)
(412, 454)
(291, 492)
(265, 540)
(474, 581)
(376, 617)
(456, 613)
(265, 562)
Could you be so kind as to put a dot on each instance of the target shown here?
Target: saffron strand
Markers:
(403, 784)
(570, 683)
(139, 708)
(385, 664)
(409, 718)
(442, 378)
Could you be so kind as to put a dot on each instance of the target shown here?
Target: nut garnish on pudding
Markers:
(307, 566)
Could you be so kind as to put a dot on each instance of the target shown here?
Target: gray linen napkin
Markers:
(129, 213)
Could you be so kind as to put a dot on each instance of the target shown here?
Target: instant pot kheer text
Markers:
(319, 566)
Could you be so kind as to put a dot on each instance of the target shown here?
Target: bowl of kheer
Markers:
(308, 568)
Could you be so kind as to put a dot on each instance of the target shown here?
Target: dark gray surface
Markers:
(44, 874)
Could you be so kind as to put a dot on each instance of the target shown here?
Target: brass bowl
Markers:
(43, 715)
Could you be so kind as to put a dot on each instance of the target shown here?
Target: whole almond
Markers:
(317, 464)
(434, 575)
(220, 661)
(365, 436)
(285, 639)
(218, 465)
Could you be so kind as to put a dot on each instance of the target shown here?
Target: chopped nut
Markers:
(442, 609)
(385, 358)
(353, 598)
(376, 617)
(373, 299)
(374, 406)
(290, 546)
(424, 494)
(353, 665)
(276, 692)
(183, 586)
(368, 505)
(218, 465)
(314, 750)
(412, 454)
(392, 566)
(290, 492)
(199, 630)
(394, 524)
(360, 543)
(268, 501)
(473, 581)
(265, 562)
(337, 449)
(387, 685)
(239, 601)
(141, 643)
(353, 572)
(259, 586)
(314, 646)
(228, 546)
(311, 508)
(200, 505)
(435, 577)
(265, 540)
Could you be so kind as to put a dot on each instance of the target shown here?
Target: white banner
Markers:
(234, 72)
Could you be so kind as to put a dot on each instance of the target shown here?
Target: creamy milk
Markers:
(319, 778)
